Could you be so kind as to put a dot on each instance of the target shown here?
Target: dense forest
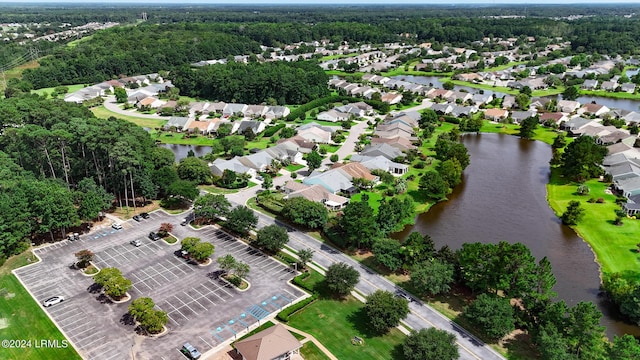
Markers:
(136, 50)
(59, 165)
(254, 83)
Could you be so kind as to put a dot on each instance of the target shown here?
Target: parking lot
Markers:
(203, 309)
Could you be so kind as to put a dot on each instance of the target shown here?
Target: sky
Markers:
(349, 2)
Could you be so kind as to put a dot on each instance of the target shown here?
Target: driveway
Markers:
(202, 309)
(111, 105)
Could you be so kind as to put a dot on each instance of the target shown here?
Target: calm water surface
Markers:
(503, 198)
(181, 151)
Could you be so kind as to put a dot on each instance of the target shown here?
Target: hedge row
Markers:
(298, 280)
(273, 129)
(286, 313)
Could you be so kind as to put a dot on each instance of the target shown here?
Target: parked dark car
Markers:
(144, 215)
(137, 217)
(153, 236)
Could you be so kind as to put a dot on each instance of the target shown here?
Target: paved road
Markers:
(421, 316)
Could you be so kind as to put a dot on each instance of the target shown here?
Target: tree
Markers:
(573, 214)
(430, 344)
(140, 306)
(384, 310)
(154, 321)
(240, 220)
(189, 243)
(624, 347)
(305, 256)
(559, 141)
(428, 116)
(393, 212)
(341, 278)
(211, 206)
(314, 160)
(522, 101)
(227, 262)
(84, 257)
(582, 159)
(272, 238)
(267, 182)
(195, 170)
(433, 185)
(201, 251)
(165, 229)
(91, 199)
(570, 93)
(301, 211)
(474, 124)
(448, 85)
(115, 285)
(241, 269)
(105, 274)
(528, 127)
(183, 190)
(121, 94)
(417, 248)
(432, 277)
(358, 224)
(388, 252)
(451, 172)
(492, 314)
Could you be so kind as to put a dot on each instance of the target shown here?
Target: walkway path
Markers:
(309, 337)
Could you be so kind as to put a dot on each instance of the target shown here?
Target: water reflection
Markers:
(503, 198)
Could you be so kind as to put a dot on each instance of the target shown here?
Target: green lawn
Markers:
(26, 320)
(217, 190)
(104, 113)
(374, 198)
(16, 72)
(609, 94)
(337, 56)
(320, 122)
(500, 89)
(310, 351)
(72, 88)
(334, 323)
(182, 139)
(294, 167)
(543, 134)
(330, 148)
(615, 246)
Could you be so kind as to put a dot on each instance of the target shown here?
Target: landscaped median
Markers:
(615, 246)
(22, 319)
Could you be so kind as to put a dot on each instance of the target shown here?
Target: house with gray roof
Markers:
(382, 149)
(624, 171)
(519, 116)
(589, 84)
(333, 181)
(628, 187)
(234, 109)
(482, 99)
(575, 124)
(277, 112)
(178, 122)
(219, 165)
(240, 127)
(458, 111)
(628, 88)
(443, 108)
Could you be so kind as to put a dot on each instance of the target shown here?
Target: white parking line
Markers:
(184, 304)
(203, 296)
(90, 328)
(205, 341)
(195, 301)
(94, 341)
(176, 310)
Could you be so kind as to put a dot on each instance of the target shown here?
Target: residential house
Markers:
(519, 116)
(256, 111)
(589, 84)
(458, 111)
(482, 99)
(439, 94)
(304, 146)
(274, 343)
(593, 109)
(382, 149)
(150, 102)
(315, 193)
(391, 98)
(217, 107)
(234, 109)
(382, 163)
(631, 116)
(177, 122)
(316, 134)
(628, 88)
(200, 127)
(508, 101)
(555, 117)
(333, 116)
(609, 85)
(496, 114)
(351, 110)
(277, 112)
(219, 165)
(568, 106)
(240, 127)
(443, 108)
(398, 142)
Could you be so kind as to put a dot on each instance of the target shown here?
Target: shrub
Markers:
(600, 201)
(286, 313)
(334, 158)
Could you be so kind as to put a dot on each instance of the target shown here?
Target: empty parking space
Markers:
(202, 308)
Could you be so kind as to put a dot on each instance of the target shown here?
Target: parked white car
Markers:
(116, 226)
(52, 301)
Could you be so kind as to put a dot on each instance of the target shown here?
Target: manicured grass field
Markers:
(311, 352)
(543, 134)
(334, 323)
(293, 168)
(72, 88)
(104, 113)
(374, 198)
(25, 319)
(615, 246)
(610, 94)
(217, 190)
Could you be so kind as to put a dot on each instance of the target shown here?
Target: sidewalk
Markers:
(309, 337)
